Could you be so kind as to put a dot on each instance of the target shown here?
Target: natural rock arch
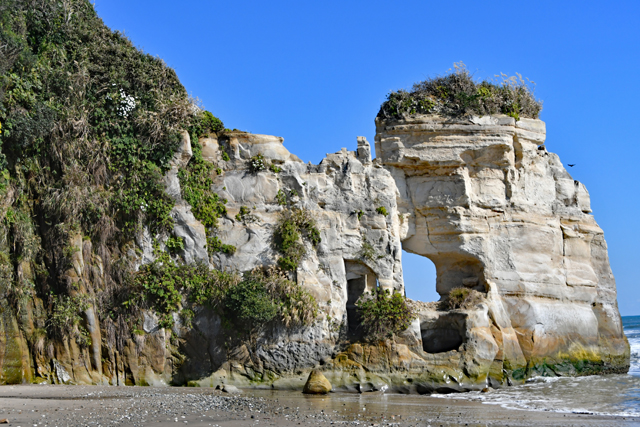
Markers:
(419, 274)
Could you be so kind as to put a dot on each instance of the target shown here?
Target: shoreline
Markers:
(59, 405)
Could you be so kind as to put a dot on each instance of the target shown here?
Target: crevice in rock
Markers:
(360, 279)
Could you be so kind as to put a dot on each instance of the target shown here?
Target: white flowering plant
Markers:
(125, 104)
(257, 163)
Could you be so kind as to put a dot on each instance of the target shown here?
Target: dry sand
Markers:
(47, 405)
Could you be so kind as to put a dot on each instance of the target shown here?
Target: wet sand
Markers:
(48, 405)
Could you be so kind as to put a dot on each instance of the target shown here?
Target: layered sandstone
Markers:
(480, 197)
(494, 210)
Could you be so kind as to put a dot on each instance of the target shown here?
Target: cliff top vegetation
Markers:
(457, 94)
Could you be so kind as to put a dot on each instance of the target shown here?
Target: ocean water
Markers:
(597, 394)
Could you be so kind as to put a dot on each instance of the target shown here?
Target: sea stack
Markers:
(493, 209)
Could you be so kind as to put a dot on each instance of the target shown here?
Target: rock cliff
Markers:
(480, 197)
(495, 211)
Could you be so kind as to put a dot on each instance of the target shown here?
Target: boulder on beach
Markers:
(231, 389)
(317, 383)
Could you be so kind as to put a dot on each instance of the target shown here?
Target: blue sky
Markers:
(316, 73)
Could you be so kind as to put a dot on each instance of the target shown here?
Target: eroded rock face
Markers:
(342, 192)
(480, 197)
(495, 211)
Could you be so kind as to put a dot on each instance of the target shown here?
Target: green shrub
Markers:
(187, 316)
(196, 182)
(266, 295)
(66, 318)
(207, 206)
(214, 244)
(281, 198)
(293, 226)
(275, 169)
(244, 214)
(248, 305)
(247, 302)
(463, 298)
(257, 163)
(288, 263)
(175, 244)
(296, 306)
(142, 199)
(160, 285)
(211, 123)
(457, 94)
(367, 251)
(382, 210)
(209, 287)
(384, 314)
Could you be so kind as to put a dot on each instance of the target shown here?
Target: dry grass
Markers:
(462, 298)
(457, 94)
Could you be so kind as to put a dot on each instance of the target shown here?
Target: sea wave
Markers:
(616, 395)
(610, 395)
(631, 326)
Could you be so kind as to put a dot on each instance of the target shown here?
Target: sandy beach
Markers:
(47, 405)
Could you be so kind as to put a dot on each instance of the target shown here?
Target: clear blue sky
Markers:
(316, 73)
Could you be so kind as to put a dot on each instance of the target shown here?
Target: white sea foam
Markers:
(634, 342)
(617, 395)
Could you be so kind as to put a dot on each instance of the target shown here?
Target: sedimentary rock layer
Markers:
(495, 211)
(480, 197)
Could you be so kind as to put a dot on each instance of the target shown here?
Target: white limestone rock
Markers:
(481, 197)
(489, 205)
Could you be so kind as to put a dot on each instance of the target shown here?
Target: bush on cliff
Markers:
(66, 318)
(206, 205)
(458, 94)
(296, 306)
(249, 305)
(294, 225)
(161, 284)
(249, 301)
(266, 295)
(384, 314)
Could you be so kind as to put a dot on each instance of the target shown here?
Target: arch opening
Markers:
(419, 274)
(428, 279)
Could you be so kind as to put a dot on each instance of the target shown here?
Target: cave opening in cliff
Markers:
(443, 333)
(360, 279)
(419, 274)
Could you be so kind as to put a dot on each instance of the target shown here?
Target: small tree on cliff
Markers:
(384, 314)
